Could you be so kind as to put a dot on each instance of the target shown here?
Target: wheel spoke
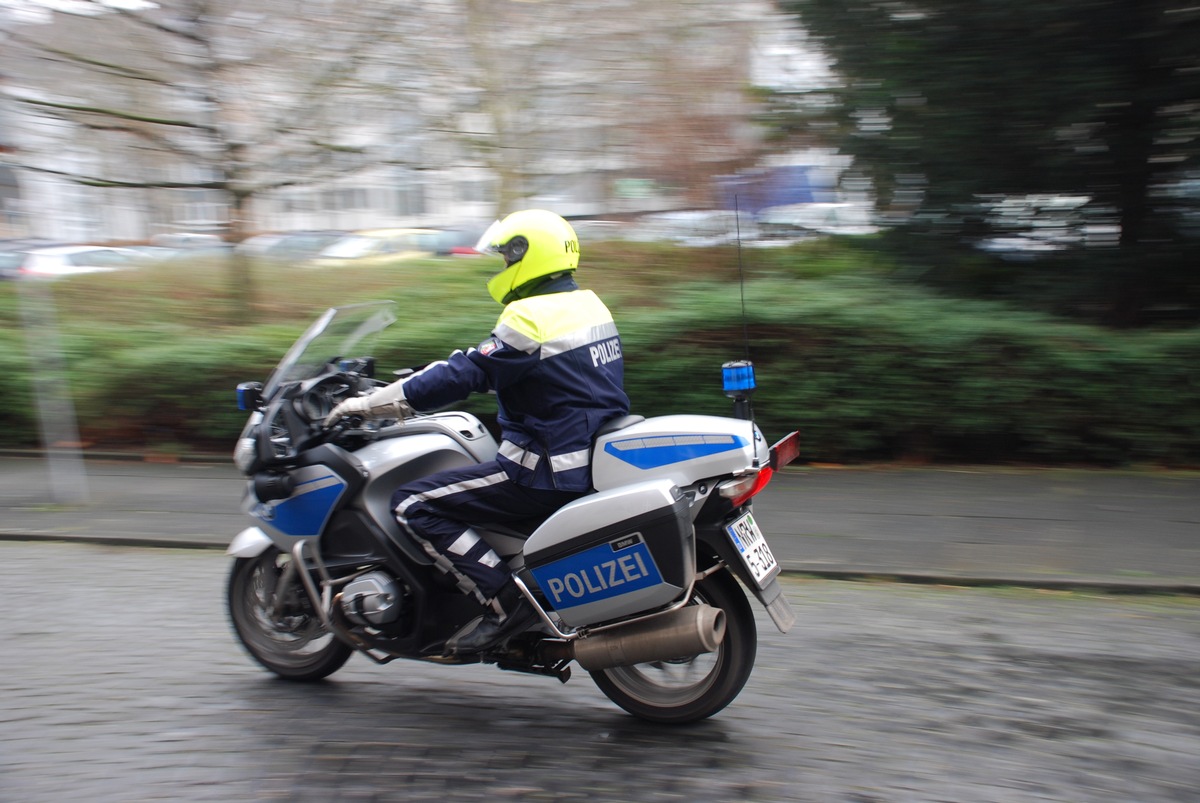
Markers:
(283, 633)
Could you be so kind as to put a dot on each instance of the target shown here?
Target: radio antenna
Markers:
(739, 375)
(737, 224)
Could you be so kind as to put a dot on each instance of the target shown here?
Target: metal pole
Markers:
(51, 394)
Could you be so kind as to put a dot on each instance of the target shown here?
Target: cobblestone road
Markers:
(120, 681)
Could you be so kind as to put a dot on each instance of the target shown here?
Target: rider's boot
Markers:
(515, 613)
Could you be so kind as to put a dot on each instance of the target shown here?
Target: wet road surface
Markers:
(120, 681)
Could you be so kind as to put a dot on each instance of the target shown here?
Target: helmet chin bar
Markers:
(500, 286)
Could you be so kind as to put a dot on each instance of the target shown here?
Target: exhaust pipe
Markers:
(680, 633)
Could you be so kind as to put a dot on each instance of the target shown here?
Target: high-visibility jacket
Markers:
(554, 361)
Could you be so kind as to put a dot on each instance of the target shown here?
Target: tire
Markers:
(295, 646)
(691, 689)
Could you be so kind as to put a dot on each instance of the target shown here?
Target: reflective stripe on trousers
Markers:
(440, 511)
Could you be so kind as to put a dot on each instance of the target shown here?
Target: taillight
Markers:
(741, 490)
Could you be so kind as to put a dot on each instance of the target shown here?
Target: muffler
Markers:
(680, 633)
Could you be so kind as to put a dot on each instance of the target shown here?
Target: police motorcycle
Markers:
(637, 583)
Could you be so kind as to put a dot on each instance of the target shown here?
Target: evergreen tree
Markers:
(951, 106)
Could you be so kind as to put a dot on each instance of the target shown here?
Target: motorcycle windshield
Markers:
(340, 333)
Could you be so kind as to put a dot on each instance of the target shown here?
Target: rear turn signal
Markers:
(741, 490)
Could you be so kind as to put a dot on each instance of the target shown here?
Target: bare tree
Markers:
(209, 95)
(549, 91)
(241, 99)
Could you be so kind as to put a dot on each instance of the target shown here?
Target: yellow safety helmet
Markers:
(534, 243)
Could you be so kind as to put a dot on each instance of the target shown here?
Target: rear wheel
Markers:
(285, 636)
(689, 689)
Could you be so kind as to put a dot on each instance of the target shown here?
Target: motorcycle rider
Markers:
(554, 361)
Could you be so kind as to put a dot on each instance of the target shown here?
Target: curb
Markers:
(115, 540)
(128, 457)
(1048, 584)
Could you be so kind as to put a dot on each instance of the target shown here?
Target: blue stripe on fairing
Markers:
(656, 451)
(304, 513)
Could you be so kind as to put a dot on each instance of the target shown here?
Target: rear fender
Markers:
(712, 541)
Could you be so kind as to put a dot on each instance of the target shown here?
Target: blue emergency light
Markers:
(738, 377)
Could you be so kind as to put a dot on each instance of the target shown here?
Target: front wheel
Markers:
(276, 623)
(689, 689)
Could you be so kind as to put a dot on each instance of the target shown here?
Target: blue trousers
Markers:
(440, 510)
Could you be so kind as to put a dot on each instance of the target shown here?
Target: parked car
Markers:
(13, 251)
(456, 240)
(68, 260)
(596, 230)
(696, 228)
(821, 218)
(148, 254)
(377, 248)
(289, 246)
(184, 248)
(10, 264)
(186, 239)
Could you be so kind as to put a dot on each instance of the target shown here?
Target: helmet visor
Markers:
(488, 241)
(512, 249)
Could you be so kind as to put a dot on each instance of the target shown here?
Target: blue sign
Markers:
(602, 572)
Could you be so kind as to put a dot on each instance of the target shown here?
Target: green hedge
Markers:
(870, 370)
(866, 368)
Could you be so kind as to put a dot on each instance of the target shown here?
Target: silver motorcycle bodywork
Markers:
(652, 478)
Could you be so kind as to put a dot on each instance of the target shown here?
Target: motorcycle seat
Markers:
(620, 422)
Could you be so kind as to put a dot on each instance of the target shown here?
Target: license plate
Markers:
(753, 549)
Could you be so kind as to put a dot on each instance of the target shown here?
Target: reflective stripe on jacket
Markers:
(555, 363)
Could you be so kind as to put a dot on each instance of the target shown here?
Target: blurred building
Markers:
(589, 107)
(11, 224)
